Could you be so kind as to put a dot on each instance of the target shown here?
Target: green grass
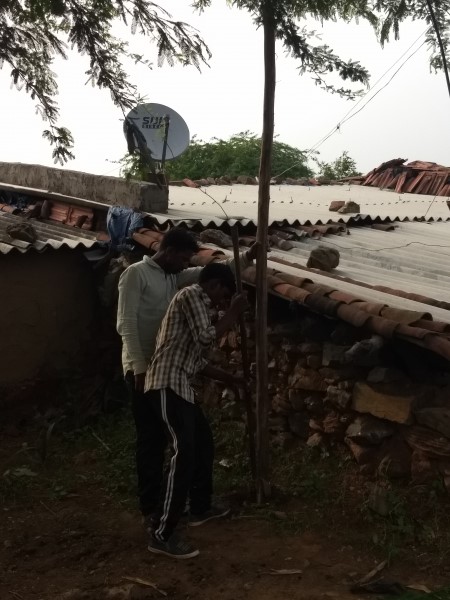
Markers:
(313, 490)
(101, 454)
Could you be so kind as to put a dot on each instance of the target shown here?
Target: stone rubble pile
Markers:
(336, 387)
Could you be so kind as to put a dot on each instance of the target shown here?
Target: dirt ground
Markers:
(70, 530)
(91, 546)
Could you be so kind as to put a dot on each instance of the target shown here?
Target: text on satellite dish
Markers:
(152, 122)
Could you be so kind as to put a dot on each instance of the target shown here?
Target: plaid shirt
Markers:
(186, 334)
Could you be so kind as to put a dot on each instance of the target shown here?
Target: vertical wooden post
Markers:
(265, 173)
(245, 360)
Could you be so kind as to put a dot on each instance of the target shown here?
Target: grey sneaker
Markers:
(215, 512)
(175, 547)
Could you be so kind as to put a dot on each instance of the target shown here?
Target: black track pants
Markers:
(164, 419)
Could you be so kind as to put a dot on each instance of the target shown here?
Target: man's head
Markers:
(176, 250)
(217, 280)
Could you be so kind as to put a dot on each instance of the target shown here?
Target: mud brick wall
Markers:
(334, 384)
(47, 311)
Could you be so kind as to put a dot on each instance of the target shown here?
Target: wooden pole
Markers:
(245, 361)
(265, 173)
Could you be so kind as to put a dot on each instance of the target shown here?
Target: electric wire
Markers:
(348, 115)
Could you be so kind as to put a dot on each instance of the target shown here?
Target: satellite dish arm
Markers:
(166, 135)
(133, 132)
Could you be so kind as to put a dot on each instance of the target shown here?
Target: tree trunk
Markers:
(441, 45)
(265, 172)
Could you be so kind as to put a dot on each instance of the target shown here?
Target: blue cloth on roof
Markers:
(122, 222)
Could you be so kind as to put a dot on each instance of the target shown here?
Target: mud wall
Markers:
(47, 311)
(109, 190)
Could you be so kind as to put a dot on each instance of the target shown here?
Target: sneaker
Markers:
(174, 547)
(215, 512)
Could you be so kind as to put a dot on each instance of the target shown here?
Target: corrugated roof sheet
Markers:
(293, 205)
(49, 235)
(413, 257)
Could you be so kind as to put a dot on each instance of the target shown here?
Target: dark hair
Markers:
(219, 272)
(180, 240)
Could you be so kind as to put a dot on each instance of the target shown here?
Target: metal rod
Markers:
(166, 135)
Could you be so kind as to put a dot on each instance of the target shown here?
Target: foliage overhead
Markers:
(343, 166)
(385, 16)
(239, 155)
(34, 32)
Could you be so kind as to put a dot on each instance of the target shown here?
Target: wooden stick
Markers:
(245, 361)
(265, 171)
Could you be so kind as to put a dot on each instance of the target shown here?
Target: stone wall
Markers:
(99, 188)
(330, 384)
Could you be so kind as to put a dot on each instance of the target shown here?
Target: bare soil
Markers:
(69, 529)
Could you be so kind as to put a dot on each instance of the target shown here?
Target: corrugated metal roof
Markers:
(414, 257)
(49, 235)
(298, 205)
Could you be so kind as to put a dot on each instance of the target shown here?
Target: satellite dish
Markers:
(157, 122)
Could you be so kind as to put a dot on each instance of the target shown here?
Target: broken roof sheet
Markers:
(417, 177)
(293, 205)
(49, 235)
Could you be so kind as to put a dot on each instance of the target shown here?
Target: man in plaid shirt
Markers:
(185, 336)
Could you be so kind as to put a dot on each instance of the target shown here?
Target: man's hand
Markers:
(139, 382)
(223, 376)
(254, 249)
(239, 304)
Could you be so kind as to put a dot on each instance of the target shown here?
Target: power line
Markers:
(385, 86)
(387, 248)
(346, 117)
(383, 76)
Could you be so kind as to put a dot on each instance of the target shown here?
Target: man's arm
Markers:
(239, 305)
(198, 319)
(199, 322)
(223, 376)
(191, 275)
(130, 292)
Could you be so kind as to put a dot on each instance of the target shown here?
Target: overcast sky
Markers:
(408, 119)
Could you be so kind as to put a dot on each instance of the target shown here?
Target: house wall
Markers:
(109, 190)
(47, 310)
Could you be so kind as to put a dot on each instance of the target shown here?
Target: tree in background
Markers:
(34, 32)
(343, 166)
(239, 155)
